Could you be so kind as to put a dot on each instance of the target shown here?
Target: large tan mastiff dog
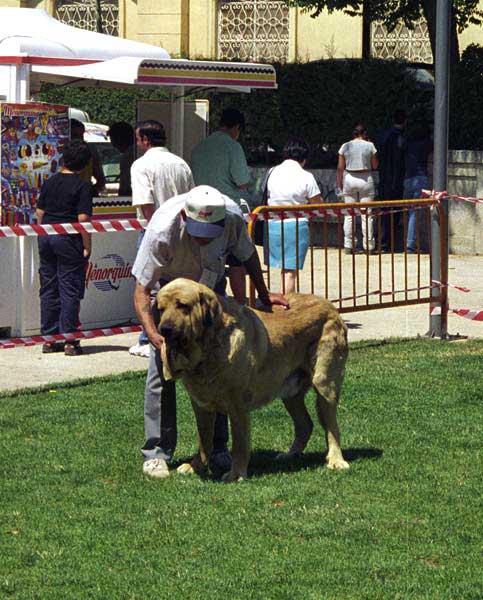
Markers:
(233, 359)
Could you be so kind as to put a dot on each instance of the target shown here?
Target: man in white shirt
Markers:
(188, 236)
(155, 177)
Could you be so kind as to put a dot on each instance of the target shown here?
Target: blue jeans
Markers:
(62, 282)
(412, 190)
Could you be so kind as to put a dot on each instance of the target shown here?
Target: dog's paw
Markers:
(337, 464)
(186, 469)
(233, 477)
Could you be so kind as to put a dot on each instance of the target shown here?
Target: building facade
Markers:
(247, 30)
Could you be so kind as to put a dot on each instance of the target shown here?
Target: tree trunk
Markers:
(454, 41)
(366, 31)
(99, 16)
(429, 12)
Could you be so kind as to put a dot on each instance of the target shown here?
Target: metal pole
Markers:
(176, 141)
(438, 325)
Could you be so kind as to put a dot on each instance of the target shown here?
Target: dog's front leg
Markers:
(240, 431)
(206, 427)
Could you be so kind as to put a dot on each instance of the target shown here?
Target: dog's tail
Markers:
(330, 358)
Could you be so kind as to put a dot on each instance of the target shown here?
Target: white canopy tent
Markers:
(36, 48)
(33, 32)
(30, 38)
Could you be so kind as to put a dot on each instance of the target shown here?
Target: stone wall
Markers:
(465, 178)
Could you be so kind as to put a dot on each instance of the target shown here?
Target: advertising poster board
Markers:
(31, 142)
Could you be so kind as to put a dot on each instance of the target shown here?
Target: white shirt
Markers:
(358, 154)
(157, 176)
(289, 183)
(168, 252)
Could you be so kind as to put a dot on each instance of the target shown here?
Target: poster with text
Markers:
(31, 143)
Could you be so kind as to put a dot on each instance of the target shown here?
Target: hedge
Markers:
(320, 101)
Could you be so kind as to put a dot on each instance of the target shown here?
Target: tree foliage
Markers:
(391, 12)
(320, 101)
(104, 105)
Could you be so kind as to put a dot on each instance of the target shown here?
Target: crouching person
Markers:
(188, 236)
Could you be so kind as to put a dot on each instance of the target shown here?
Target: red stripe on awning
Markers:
(46, 60)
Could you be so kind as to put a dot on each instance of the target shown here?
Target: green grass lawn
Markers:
(78, 520)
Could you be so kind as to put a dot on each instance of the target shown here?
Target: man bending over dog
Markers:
(188, 236)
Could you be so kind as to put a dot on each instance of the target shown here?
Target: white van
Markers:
(80, 115)
(96, 135)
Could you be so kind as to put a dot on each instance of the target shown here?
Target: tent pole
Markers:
(177, 121)
(18, 83)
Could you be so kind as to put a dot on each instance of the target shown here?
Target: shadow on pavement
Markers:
(353, 325)
(98, 349)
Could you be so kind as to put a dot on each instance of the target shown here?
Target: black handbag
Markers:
(260, 224)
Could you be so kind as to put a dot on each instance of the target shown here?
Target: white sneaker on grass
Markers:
(156, 467)
(143, 350)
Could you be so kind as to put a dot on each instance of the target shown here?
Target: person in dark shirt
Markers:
(122, 138)
(93, 169)
(392, 150)
(64, 198)
(419, 147)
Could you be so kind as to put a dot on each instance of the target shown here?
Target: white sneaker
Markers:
(156, 467)
(143, 350)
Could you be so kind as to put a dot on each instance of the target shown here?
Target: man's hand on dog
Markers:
(272, 299)
(157, 340)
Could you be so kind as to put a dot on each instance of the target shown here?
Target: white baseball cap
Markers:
(205, 212)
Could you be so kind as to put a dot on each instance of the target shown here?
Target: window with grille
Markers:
(84, 14)
(253, 30)
(412, 45)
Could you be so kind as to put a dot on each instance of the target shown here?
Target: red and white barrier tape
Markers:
(435, 283)
(72, 228)
(467, 313)
(451, 285)
(380, 293)
(67, 337)
(115, 225)
(273, 215)
(474, 315)
(441, 195)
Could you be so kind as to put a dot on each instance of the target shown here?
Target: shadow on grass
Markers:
(264, 462)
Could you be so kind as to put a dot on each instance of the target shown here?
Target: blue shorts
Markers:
(273, 254)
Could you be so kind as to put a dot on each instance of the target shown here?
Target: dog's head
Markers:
(189, 313)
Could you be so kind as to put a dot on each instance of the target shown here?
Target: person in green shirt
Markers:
(219, 161)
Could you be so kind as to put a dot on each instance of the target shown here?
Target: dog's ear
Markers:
(210, 308)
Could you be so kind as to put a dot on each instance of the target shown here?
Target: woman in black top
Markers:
(64, 198)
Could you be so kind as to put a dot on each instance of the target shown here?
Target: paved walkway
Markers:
(28, 367)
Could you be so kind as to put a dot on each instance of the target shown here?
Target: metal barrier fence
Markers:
(356, 281)
(369, 279)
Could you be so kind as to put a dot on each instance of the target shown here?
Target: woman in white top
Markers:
(288, 185)
(357, 160)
